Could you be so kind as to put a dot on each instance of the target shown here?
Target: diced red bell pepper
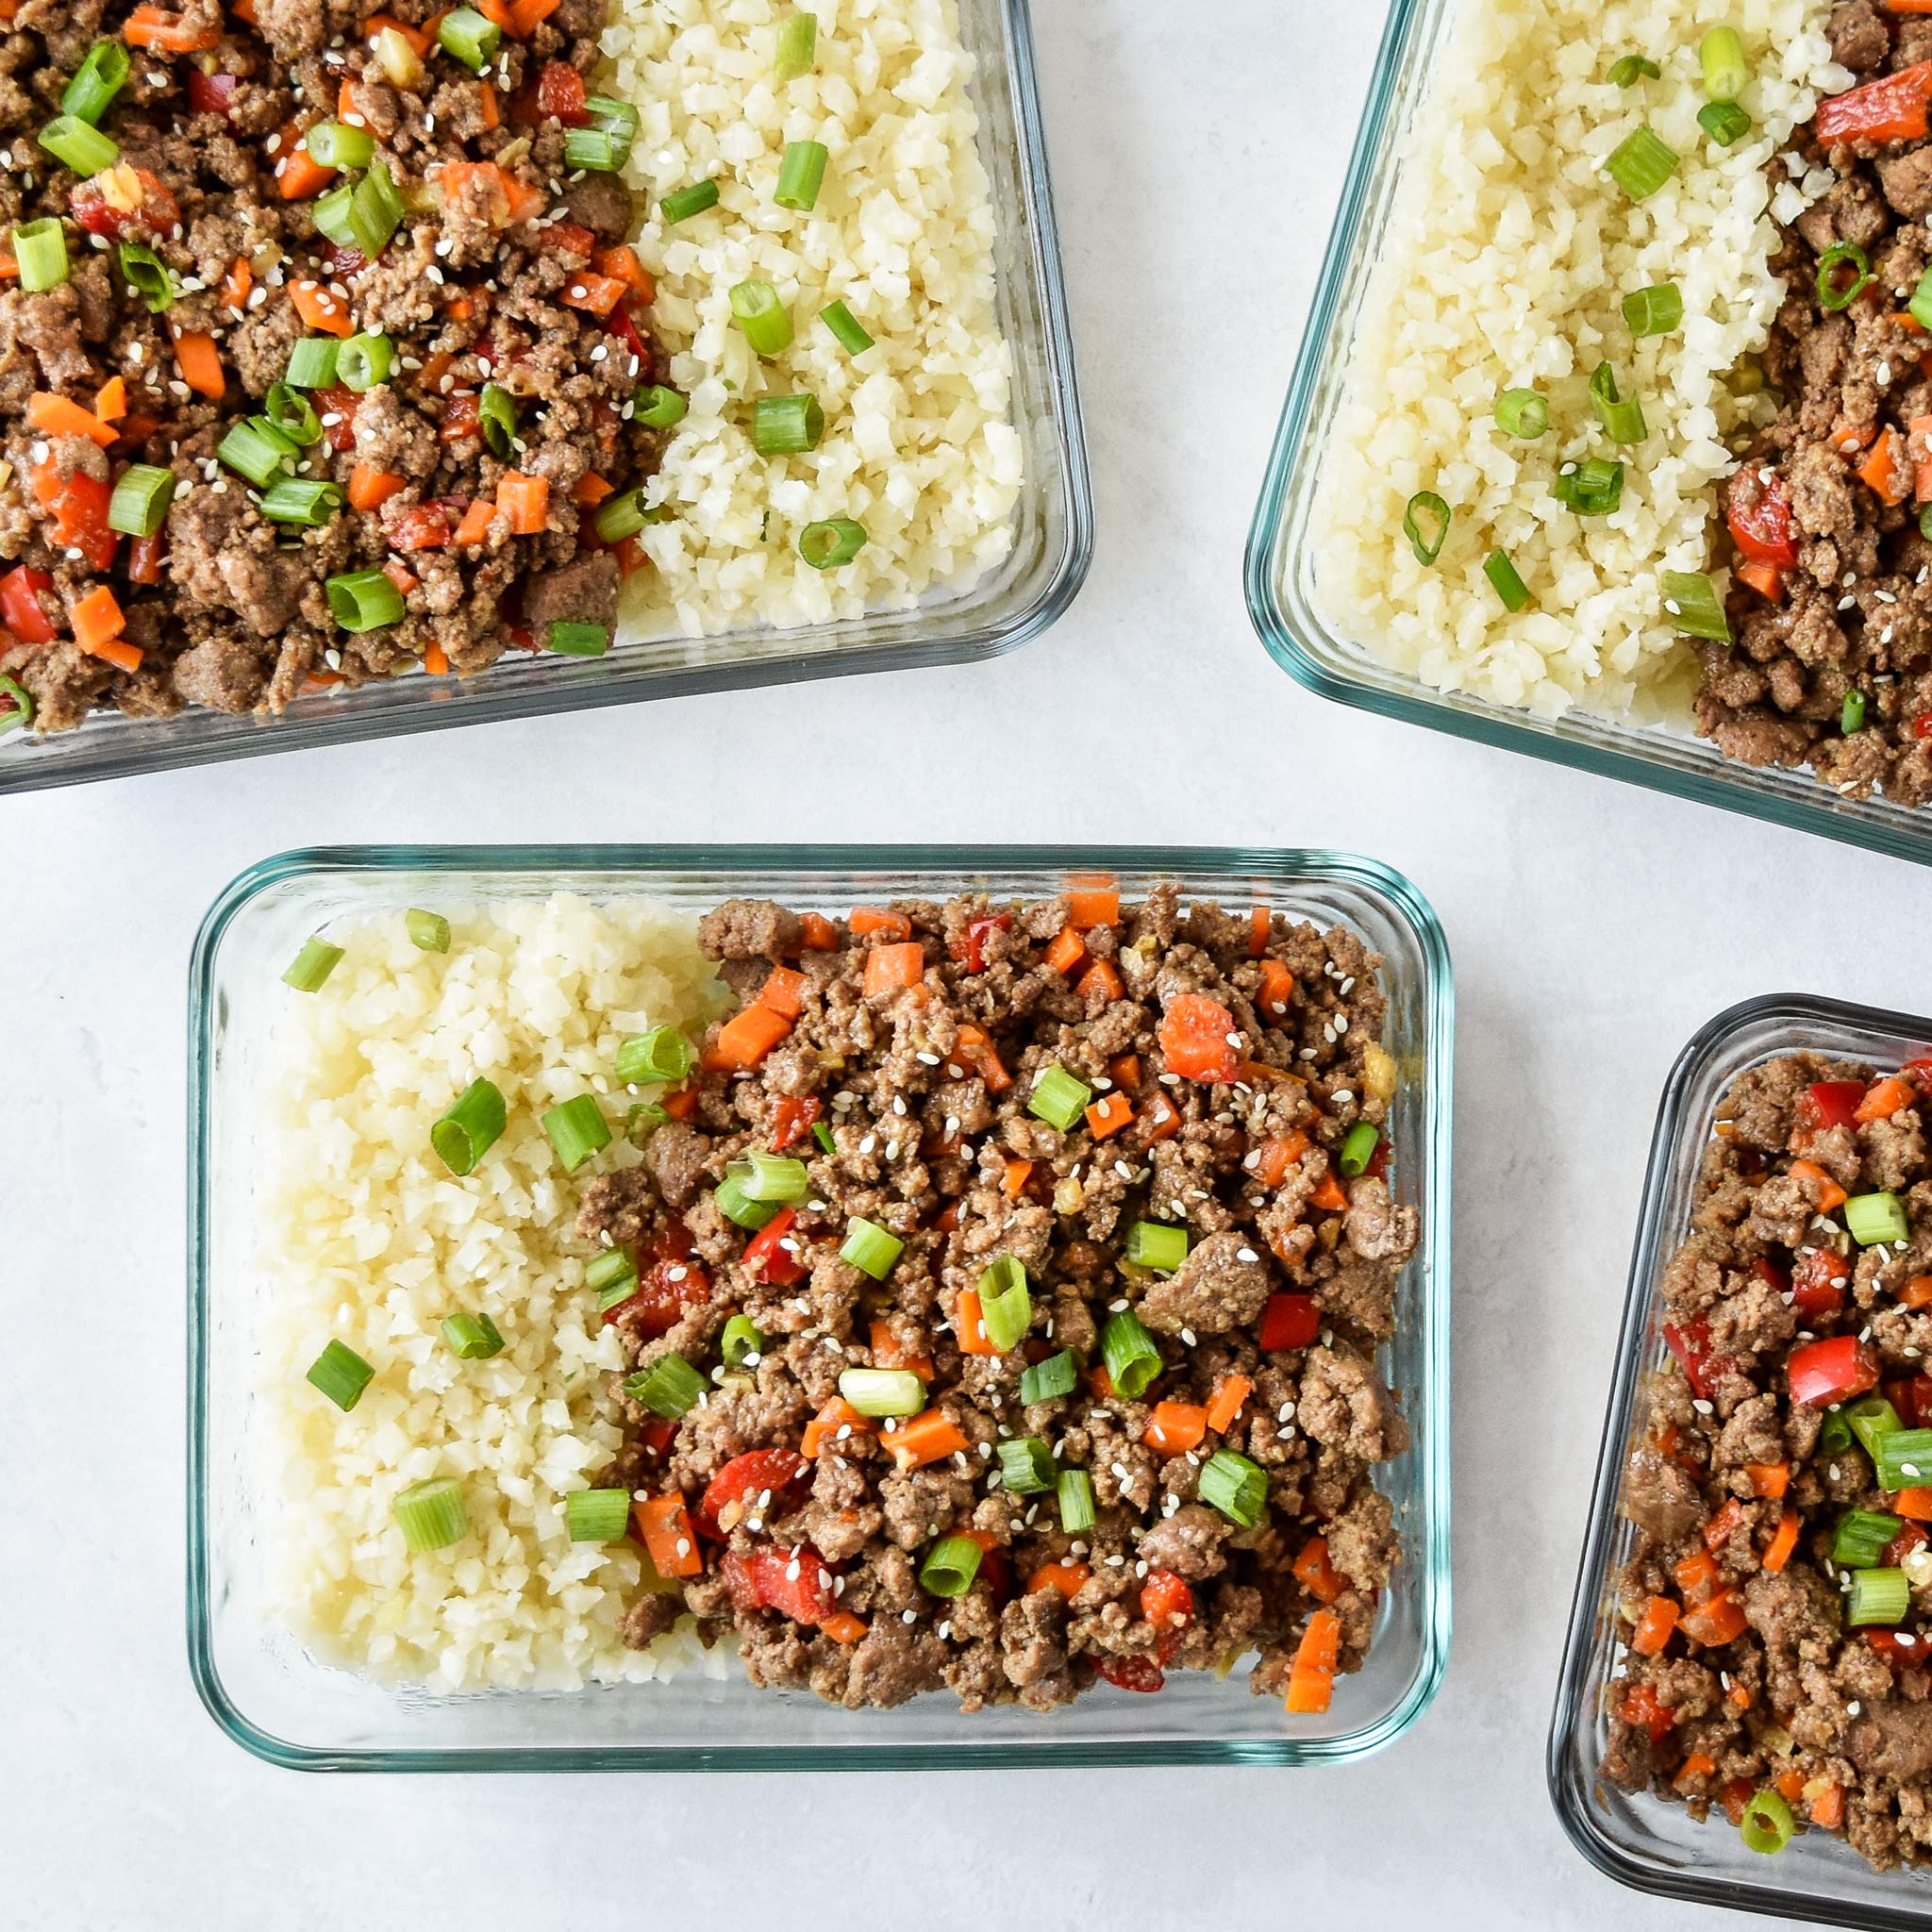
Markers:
(1833, 1370)
(1641, 1705)
(212, 94)
(1759, 515)
(618, 322)
(1290, 1320)
(970, 947)
(78, 505)
(1909, 1538)
(1131, 1673)
(728, 1496)
(572, 238)
(794, 1118)
(1890, 109)
(1689, 1341)
(1818, 1283)
(462, 415)
(1197, 1037)
(157, 213)
(767, 1256)
(144, 555)
(342, 261)
(422, 526)
(1902, 1650)
(1168, 1603)
(788, 1581)
(657, 1435)
(1829, 1104)
(661, 1298)
(336, 405)
(21, 610)
(560, 94)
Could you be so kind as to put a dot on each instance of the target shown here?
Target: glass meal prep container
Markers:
(277, 1701)
(1642, 1841)
(1283, 593)
(1007, 606)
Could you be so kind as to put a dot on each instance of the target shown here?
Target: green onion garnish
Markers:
(798, 41)
(147, 275)
(81, 147)
(464, 1134)
(95, 82)
(1359, 1144)
(641, 1117)
(596, 1516)
(1522, 412)
(870, 1248)
(1154, 1244)
(476, 1338)
(1627, 71)
(308, 500)
(1504, 580)
(576, 1129)
(801, 175)
(846, 327)
(784, 426)
(1057, 1098)
(621, 516)
(255, 448)
(1878, 1596)
(378, 211)
(1641, 164)
(1691, 603)
(658, 408)
(360, 600)
(466, 36)
(363, 362)
(39, 248)
(312, 965)
(1835, 1438)
(1234, 1486)
(614, 117)
(428, 931)
(1920, 304)
(336, 144)
(823, 1135)
(764, 319)
(1076, 1501)
(774, 1178)
(683, 203)
(1005, 1301)
(742, 1345)
(951, 1564)
(1132, 1360)
(1872, 1419)
(737, 1206)
(1724, 121)
(1858, 1541)
(1425, 504)
(1593, 488)
(611, 1276)
(572, 640)
(1654, 312)
(1026, 1465)
(883, 1391)
(496, 412)
(1875, 1217)
(669, 1387)
(138, 505)
(341, 1375)
(1720, 54)
(22, 711)
(1766, 1824)
(827, 544)
(1046, 1380)
(432, 1515)
(596, 149)
(292, 413)
(1833, 293)
(663, 1054)
(1904, 1460)
(1622, 416)
(1851, 715)
(312, 362)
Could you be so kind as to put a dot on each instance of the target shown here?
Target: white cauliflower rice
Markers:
(919, 444)
(1507, 257)
(369, 1239)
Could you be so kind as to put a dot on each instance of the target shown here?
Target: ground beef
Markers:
(1742, 1669)
(897, 1055)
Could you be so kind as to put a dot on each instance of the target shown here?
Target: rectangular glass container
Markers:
(1644, 1841)
(1282, 590)
(277, 1702)
(1041, 573)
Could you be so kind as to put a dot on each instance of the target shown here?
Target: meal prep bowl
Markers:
(1039, 577)
(1282, 589)
(1643, 1841)
(281, 1704)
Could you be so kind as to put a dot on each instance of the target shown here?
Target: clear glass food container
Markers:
(1053, 532)
(1645, 1841)
(1282, 593)
(277, 1701)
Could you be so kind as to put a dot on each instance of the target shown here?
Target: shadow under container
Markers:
(275, 1700)
(1284, 593)
(1644, 1841)
(1052, 533)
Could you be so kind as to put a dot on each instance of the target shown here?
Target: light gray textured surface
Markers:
(1198, 153)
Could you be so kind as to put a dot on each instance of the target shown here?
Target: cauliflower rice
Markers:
(368, 1238)
(919, 444)
(1507, 257)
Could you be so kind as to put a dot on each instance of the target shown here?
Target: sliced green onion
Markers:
(341, 1375)
(644, 1114)
(663, 1054)
(334, 214)
(308, 500)
(1835, 1438)
(1654, 312)
(1522, 412)
(1005, 1301)
(1026, 1465)
(147, 275)
(312, 362)
(1359, 1148)
(823, 1135)
(1627, 71)
(476, 1338)
(336, 144)
(312, 965)
(1904, 1460)
(255, 448)
(1504, 580)
(360, 600)
(1593, 488)
(1851, 715)
(1132, 1360)
(801, 175)
(846, 327)
(736, 1205)
(596, 149)
(95, 82)
(1076, 1501)
(1057, 1098)
(1720, 54)
(596, 1516)
(950, 1566)
(375, 210)
(1920, 304)
(1878, 1596)
(622, 516)
(1871, 1418)
(22, 711)
(669, 1387)
(1236, 1487)
(683, 203)
(763, 318)
(1425, 504)
(576, 1129)
(39, 249)
(1154, 1244)
(1622, 416)
(883, 1391)
(614, 117)
(658, 408)
(612, 1277)
(71, 141)
(432, 1515)
(1858, 1541)
(775, 1177)
(1875, 1217)
(742, 1345)
(1766, 1824)
(292, 413)
(827, 544)
(798, 41)
(578, 639)
(1724, 121)
(428, 931)
(870, 1248)
(1691, 603)
(466, 36)
(363, 362)
(138, 505)
(1832, 292)
(783, 425)
(464, 1134)
(1046, 1380)
(496, 413)
(1641, 164)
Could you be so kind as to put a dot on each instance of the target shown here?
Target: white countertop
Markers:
(1197, 153)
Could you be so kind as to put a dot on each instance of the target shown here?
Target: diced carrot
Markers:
(1277, 991)
(525, 501)
(1092, 906)
(419, 41)
(110, 403)
(1914, 1503)
(1277, 1157)
(680, 1103)
(1698, 1576)
(1830, 1196)
(1312, 1677)
(1328, 1196)
(243, 11)
(489, 111)
(867, 920)
(1717, 1531)
(823, 1427)
(887, 1353)
(589, 487)
(1109, 1115)
(949, 1218)
(149, 26)
(968, 1324)
(320, 310)
(1718, 1622)
(1316, 1574)
(523, 200)
(745, 1038)
(1101, 981)
(1175, 1427)
(475, 527)
(1100, 1382)
(926, 1439)
(1015, 1177)
(10, 268)
(622, 264)
(371, 487)
(1908, 5)
(890, 968)
(1777, 1552)
(841, 1626)
(1919, 448)
(1230, 1394)
(599, 295)
(1654, 1627)
(497, 13)
(1163, 1118)
(1888, 1096)
(298, 175)
(1769, 1478)
(784, 991)
(977, 1053)
(1828, 1807)
(1067, 950)
(97, 620)
(1694, 1771)
(664, 1528)
(1125, 1070)
(1260, 928)
(528, 15)
(1917, 1292)
(435, 660)
(57, 416)
(1885, 470)
(401, 576)
(1847, 437)
(1765, 578)
(1064, 1577)
(819, 934)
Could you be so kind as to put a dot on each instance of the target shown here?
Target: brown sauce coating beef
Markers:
(1737, 1487)
(483, 282)
(922, 1092)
